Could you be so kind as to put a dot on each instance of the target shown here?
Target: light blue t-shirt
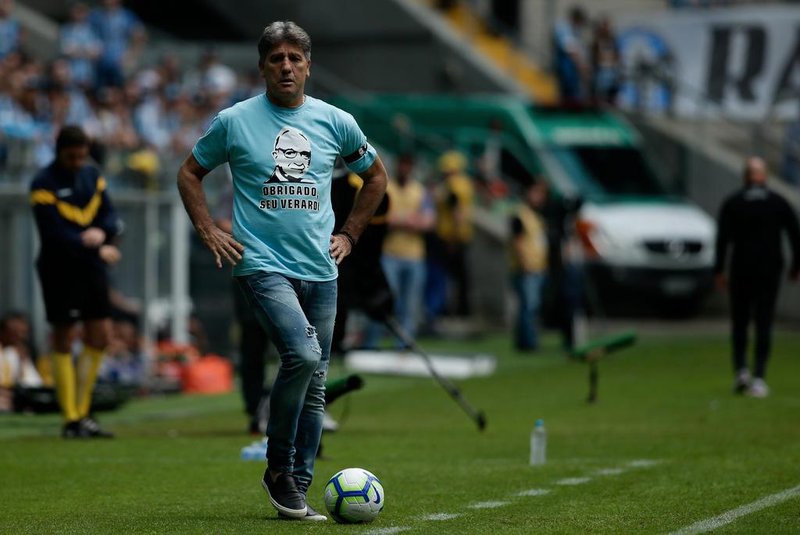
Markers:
(281, 160)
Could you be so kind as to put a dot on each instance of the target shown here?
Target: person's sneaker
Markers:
(74, 430)
(284, 496)
(93, 429)
(329, 425)
(758, 388)
(311, 516)
(742, 381)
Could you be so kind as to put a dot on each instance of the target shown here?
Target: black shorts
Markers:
(72, 295)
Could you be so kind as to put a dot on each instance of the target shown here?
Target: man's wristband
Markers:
(349, 237)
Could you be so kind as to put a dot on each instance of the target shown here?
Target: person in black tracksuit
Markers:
(77, 227)
(751, 223)
(362, 283)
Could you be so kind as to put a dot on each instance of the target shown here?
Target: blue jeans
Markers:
(298, 317)
(528, 287)
(406, 279)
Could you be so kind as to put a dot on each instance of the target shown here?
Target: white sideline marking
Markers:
(643, 463)
(609, 471)
(387, 531)
(534, 492)
(729, 516)
(487, 505)
(573, 481)
(441, 516)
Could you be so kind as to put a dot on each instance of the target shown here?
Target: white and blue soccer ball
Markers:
(353, 496)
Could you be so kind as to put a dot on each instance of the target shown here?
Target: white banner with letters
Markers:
(741, 62)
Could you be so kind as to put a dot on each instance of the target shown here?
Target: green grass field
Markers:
(686, 449)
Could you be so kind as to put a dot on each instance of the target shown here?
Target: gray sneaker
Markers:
(311, 516)
(284, 496)
(758, 388)
(742, 381)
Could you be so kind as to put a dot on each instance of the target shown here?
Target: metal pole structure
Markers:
(33, 291)
(550, 17)
(179, 273)
(150, 267)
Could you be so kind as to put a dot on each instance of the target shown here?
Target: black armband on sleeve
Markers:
(350, 158)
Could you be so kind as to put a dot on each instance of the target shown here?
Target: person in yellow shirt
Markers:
(528, 262)
(411, 214)
(455, 197)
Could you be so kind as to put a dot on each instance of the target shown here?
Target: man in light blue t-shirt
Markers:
(281, 147)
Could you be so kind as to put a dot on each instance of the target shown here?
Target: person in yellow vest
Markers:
(454, 204)
(528, 262)
(411, 214)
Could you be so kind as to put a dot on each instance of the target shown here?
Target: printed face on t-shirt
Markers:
(292, 153)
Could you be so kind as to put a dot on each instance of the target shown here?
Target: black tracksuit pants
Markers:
(753, 296)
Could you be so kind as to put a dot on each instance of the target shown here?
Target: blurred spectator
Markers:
(361, 283)
(528, 250)
(125, 357)
(114, 121)
(11, 33)
(571, 57)
(16, 119)
(488, 177)
(606, 68)
(150, 116)
(17, 358)
(67, 103)
(15, 340)
(188, 124)
(411, 214)
(447, 286)
(80, 44)
(213, 78)
(123, 35)
(170, 75)
(564, 282)
(146, 117)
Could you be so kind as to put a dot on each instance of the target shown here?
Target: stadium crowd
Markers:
(137, 113)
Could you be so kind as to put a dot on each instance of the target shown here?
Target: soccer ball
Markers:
(353, 496)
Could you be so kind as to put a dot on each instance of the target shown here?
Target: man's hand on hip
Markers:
(340, 247)
(222, 245)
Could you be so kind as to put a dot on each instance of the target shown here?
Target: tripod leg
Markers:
(593, 378)
(477, 416)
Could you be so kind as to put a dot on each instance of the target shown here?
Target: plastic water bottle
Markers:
(538, 443)
(257, 451)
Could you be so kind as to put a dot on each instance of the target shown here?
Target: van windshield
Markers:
(598, 171)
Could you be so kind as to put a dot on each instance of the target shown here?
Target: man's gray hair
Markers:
(283, 31)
